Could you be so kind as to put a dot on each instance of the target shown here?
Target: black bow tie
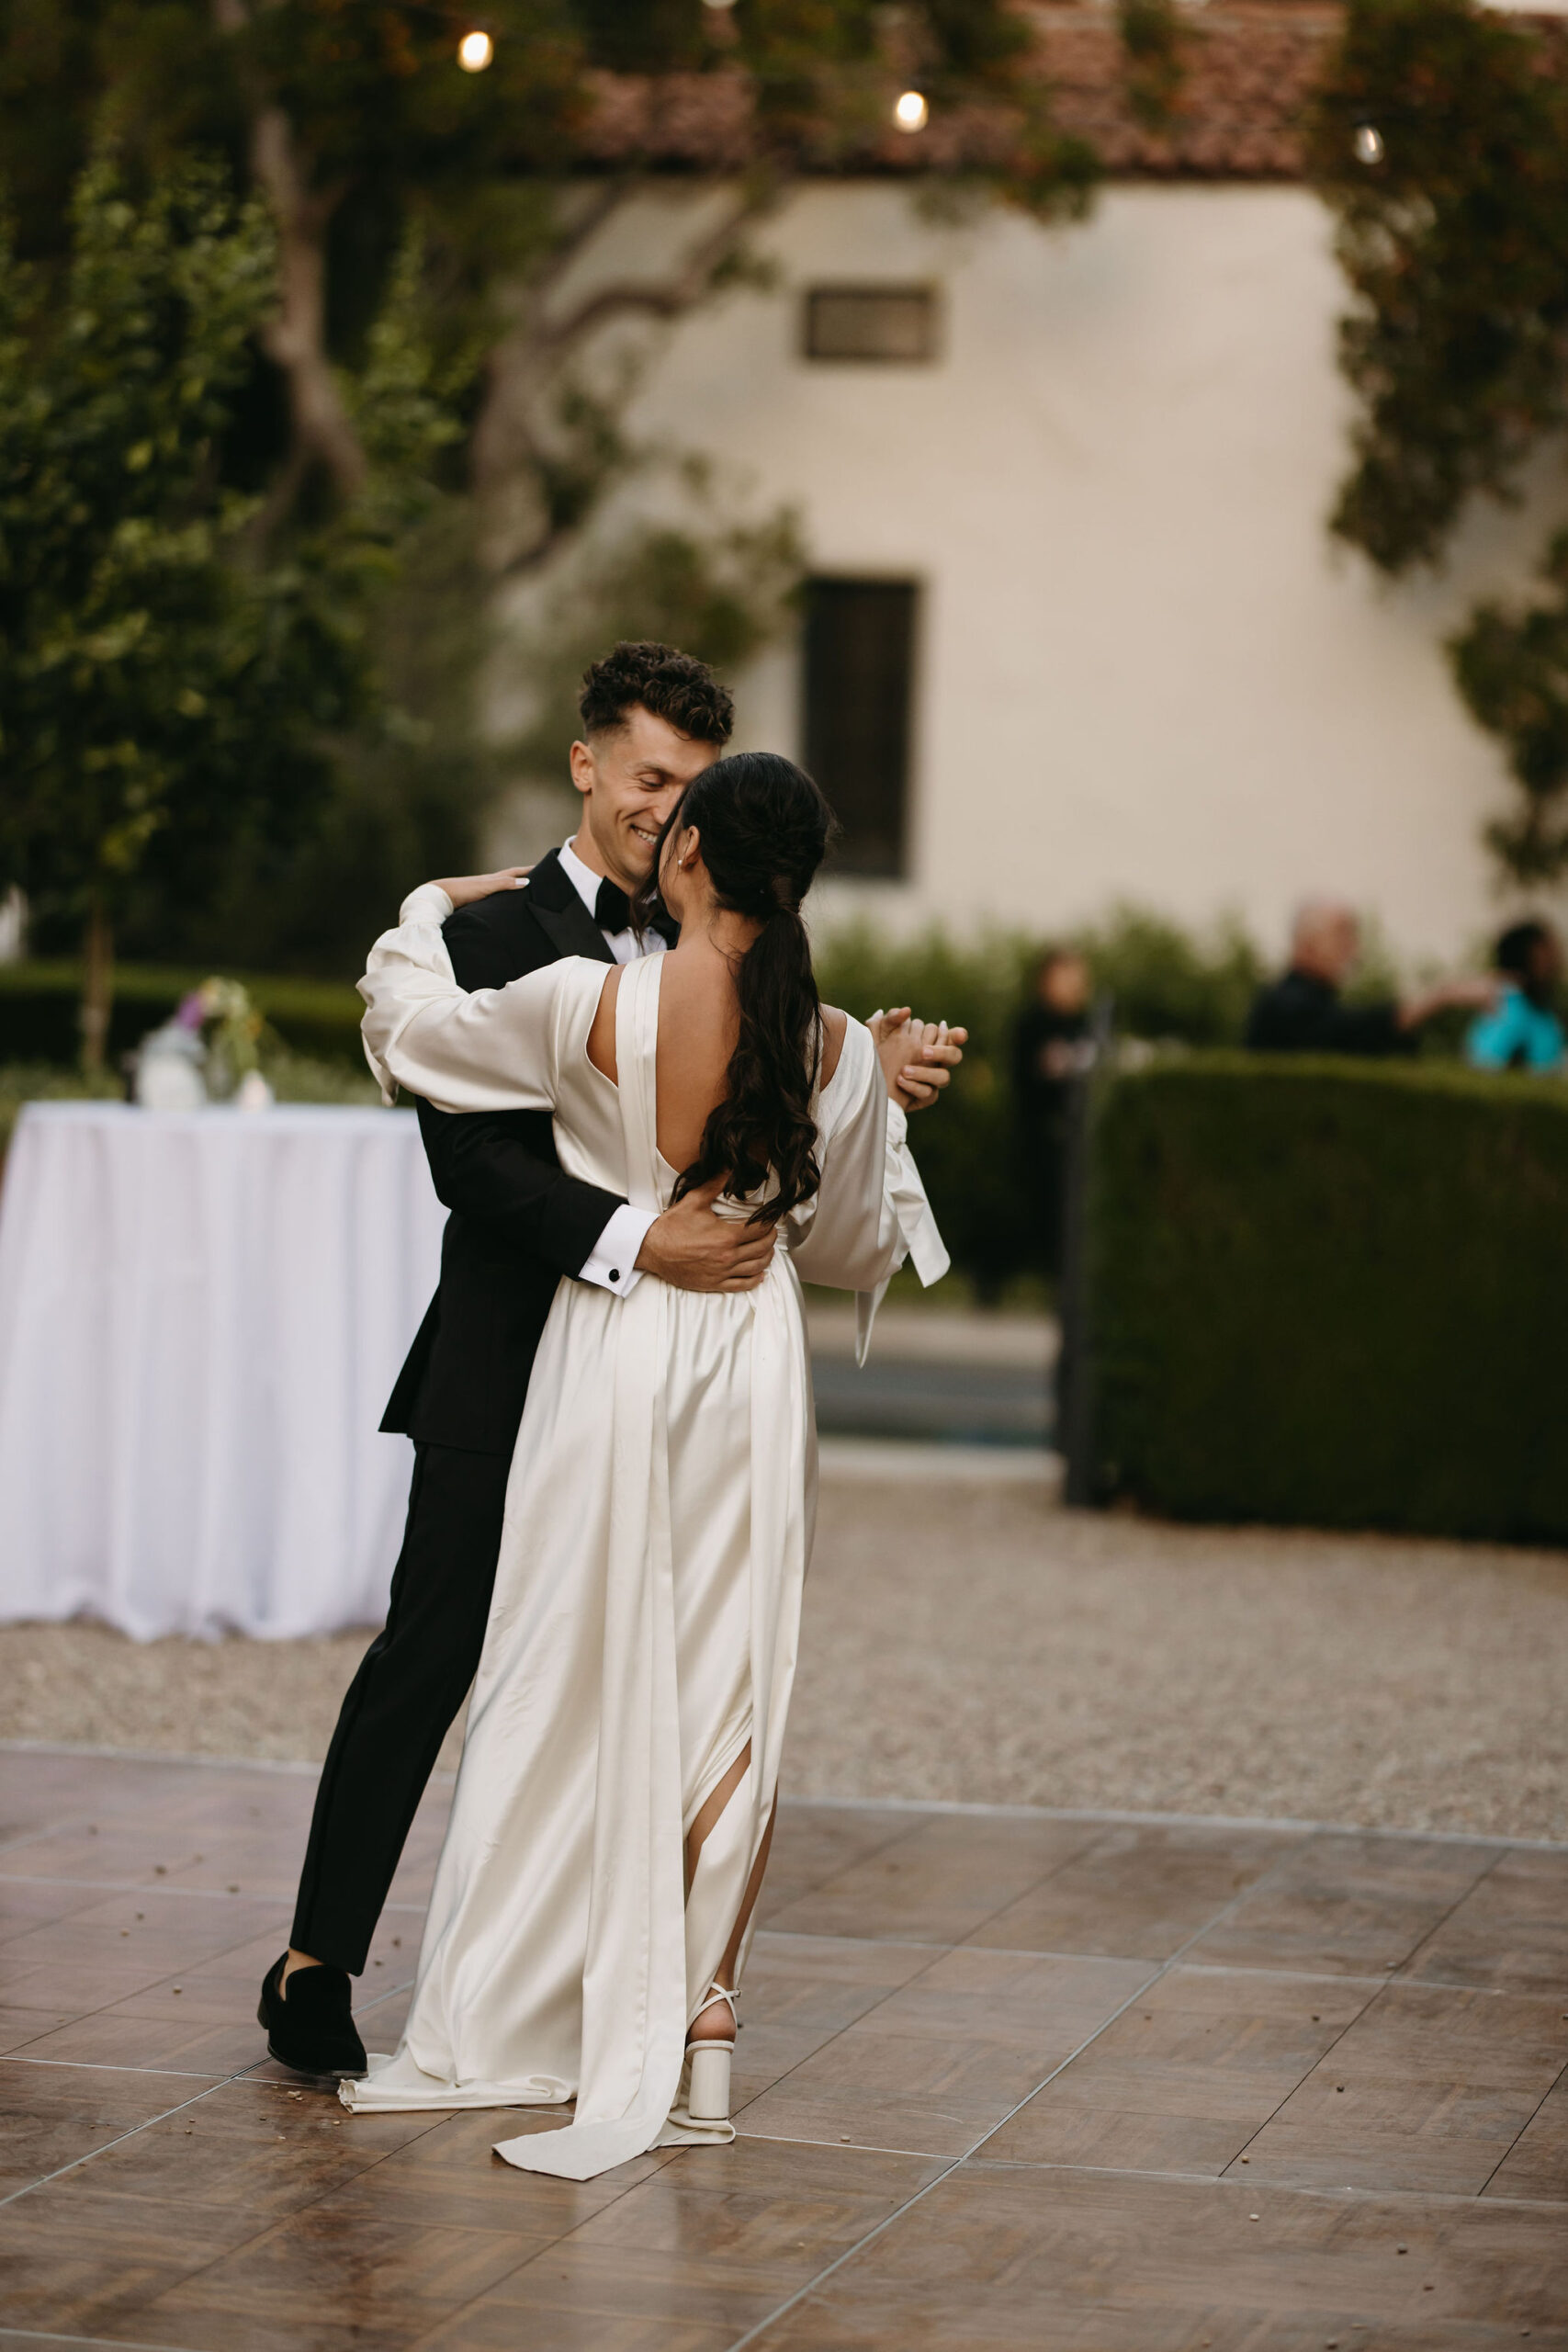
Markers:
(613, 913)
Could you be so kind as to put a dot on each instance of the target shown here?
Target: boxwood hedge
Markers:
(1332, 1294)
(39, 1010)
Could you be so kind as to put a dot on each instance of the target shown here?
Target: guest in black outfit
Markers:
(1047, 1049)
(1303, 1011)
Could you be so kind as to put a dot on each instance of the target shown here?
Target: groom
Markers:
(653, 720)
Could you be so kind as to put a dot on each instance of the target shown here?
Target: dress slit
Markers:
(733, 1746)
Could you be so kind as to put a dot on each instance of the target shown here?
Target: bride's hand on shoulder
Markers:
(464, 888)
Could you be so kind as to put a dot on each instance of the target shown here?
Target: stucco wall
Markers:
(1145, 673)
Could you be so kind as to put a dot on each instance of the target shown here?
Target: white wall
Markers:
(1146, 673)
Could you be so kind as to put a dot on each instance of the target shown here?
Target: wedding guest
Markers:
(1303, 1013)
(1047, 1049)
(1522, 1030)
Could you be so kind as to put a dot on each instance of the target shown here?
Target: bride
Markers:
(593, 1901)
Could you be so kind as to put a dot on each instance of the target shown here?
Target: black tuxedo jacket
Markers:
(517, 1223)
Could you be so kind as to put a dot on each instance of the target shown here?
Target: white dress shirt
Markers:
(612, 1262)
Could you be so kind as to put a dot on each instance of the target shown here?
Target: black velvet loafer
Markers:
(309, 2023)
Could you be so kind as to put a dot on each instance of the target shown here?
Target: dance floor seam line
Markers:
(87, 2343)
(288, 1767)
(1454, 2201)
(1377, 1983)
(444, 1780)
(1438, 1924)
(241, 2205)
(1286, 1824)
(840, 2147)
(107, 2066)
(1556, 2083)
(114, 2140)
(1217, 1920)
(939, 1953)
(174, 1886)
(1288, 2096)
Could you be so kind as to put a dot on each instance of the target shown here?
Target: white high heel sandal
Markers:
(707, 2097)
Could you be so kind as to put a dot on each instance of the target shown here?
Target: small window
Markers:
(895, 323)
(859, 679)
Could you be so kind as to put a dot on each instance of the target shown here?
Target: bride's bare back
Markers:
(699, 1025)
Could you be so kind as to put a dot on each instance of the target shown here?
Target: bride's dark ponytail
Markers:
(764, 827)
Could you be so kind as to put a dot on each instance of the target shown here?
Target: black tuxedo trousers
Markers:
(517, 1224)
(401, 1703)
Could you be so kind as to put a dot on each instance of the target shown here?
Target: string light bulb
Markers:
(1368, 144)
(910, 111)
(475, 51)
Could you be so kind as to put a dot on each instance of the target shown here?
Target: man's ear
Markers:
(581, 762)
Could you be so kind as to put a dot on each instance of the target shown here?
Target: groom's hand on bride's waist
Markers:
(695, 1249)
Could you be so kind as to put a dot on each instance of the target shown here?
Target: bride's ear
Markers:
(688, 850)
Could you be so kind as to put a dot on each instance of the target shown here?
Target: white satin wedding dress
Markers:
(647, 1608)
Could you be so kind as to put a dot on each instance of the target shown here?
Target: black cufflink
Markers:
(615, 1273)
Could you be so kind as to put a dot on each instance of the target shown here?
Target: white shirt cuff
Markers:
(613, 1262)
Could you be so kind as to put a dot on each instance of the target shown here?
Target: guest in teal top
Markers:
(1521, 1032)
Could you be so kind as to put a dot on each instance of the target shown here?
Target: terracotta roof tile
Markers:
(1249, 71)
(1250, 66)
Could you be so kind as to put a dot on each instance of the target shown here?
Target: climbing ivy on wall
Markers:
(1440, 139)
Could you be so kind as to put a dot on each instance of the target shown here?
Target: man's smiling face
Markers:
(631, 777)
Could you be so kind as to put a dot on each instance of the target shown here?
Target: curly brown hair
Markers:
(673, 687)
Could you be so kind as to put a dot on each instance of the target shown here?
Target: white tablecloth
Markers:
(201, 1315)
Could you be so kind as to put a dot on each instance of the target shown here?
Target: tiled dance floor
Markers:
(1007, 2080)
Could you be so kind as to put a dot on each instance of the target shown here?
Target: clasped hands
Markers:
(691, 1248)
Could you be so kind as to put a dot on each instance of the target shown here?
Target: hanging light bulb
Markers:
(475, 51)
(1368, 144)
(719, 4)
(910, 111)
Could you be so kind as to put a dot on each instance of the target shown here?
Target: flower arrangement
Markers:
(219, 1012)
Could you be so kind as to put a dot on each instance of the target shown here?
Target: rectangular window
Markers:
(859, 681)
(896, 324)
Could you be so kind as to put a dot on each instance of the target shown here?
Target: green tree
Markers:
(351, 121)
(166, 680)
(355, 120)
(1441, 140)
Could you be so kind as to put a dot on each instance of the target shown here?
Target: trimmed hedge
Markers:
(1332, 1294)
(39, 1010)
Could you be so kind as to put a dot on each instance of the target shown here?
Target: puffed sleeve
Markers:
(498, 1049)
(871, 1211)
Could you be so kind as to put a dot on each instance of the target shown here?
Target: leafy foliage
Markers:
(1153, 42)
(423, 226)
(170, 682)
(1455, 241)
(719, 594)
(1456, 246)
(1511, 666)
(316, 1019)
(147, 682)
(406, 797)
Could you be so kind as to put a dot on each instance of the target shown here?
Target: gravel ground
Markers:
(984, 1645)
